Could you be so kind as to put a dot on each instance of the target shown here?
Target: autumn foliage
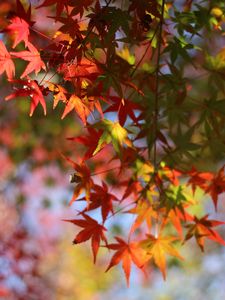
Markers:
(149, 93)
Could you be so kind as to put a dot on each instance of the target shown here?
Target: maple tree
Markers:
(142, 79)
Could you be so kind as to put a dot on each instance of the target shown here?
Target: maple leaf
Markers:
(82, 178)
(20, 28)
(113, 132)
(79, 70)
(145, 6)
(59, 6)
(171, 174)
(33, 90)
(127, 253)
(199, 179)
(145, 212)
(34, 58)
(81, 6)
(92, 230)
(103, 199)
(22, 13)
(175, 216)
(20, 23)
(132, 187)
(216, 186)
(71, 29)
(201, 229)
(75, 103)
(157, 248)
(125, 108)
(59, 94)
(6, 63)
(175, 197)
(90, 141)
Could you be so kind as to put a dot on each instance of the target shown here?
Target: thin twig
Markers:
(156, 108)
(156, 100)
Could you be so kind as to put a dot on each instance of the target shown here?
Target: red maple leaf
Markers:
(82, 178)
(20, 23)
(59, 6)
(79, 70)
(145, 5)
(33, 90)
(127, 253)
(81, 6)
(6, 63)
(92, 230)
(217, 186)
(34, 58)
(125, 108)
(198, 179)
(90, 141)
(132, 187)
(202, 228)
(214, 184)
(20, 29)
(103, 199)
(22, 13)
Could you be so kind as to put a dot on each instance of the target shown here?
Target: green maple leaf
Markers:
(113, 133)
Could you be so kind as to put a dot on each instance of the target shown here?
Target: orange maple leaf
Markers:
(127, 253)
(59, 93)
(145, 212)
(158, 247)
(75, 103)
(176, 216)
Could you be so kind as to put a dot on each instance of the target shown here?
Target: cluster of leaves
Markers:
(130, 71)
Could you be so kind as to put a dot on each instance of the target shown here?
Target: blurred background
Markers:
(37, 258)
